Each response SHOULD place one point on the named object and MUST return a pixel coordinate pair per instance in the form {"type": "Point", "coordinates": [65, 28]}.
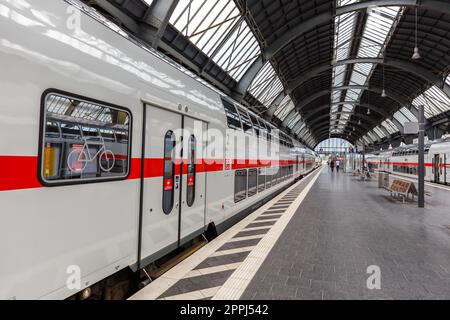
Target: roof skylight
{"type": "Point", "coordinates": [217, 28]}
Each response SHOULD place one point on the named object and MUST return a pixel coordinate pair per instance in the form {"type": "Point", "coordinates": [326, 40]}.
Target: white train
{"type": "Point", "coordinates": [404, 161]}
{"type": "Point", "coordinates": [92, 188]}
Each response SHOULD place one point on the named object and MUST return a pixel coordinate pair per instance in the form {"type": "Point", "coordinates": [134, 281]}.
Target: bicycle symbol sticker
{"type": "Point", "coordinates": [81, 156]}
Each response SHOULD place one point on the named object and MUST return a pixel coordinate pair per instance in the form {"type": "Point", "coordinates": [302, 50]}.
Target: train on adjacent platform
{"type": "Point", "coordinates": [93, 188]}
{"type": "Point", "coordinates": [404, 161]}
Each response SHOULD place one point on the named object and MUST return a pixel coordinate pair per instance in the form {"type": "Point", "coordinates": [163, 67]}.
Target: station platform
{"type": "Point", "coordinates": [316, 241]}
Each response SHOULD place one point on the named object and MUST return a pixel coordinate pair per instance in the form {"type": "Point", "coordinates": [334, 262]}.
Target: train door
{"type": "Point", "coordinates": [437, 168]}
{"type": "Point", "coordinates": [193, 181]}
{"type": "Point", "coordinates": [446, 172]}
{"type": "Point", "coordinates": [170, 189]}
{"type": "Point", "coordinates": [304, 163]}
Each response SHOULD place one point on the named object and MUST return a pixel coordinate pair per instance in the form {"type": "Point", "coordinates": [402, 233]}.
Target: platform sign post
{"type": "Point", "coordinates": [421, 156]}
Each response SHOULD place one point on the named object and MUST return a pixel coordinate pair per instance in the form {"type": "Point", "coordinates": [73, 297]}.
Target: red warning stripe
{"type": "Point", "coordinates": [20, 172]}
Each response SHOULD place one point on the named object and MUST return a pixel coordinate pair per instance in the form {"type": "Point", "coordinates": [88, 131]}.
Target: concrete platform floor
{"type": "Point", "coordinates": [344, 226]}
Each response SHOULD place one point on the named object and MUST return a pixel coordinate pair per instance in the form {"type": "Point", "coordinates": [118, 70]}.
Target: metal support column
{"type": "Point", "coordinates": [421, 156]}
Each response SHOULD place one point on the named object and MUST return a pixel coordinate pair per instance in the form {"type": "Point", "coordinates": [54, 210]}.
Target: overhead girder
{"type": "Point", "coordinates": [355, 115]}
{"type": "Point", "coordinates": [310, 114]}
{"type": "Point", "coordinates": [356, 132]}
{"type": "Point", "coordinates": [399, 64]}
{"type": "Point", "coordinates": [360, 130]}
{"type": "Point", "coordinates": [373, 108]}
{"type": "Point", "coordinates": [349, 132]}
{"type": "Point", "coordinates": [346, 135]}
{"type": "Point", "coordinates": [304, 27]}
{"type": "Point", "coordinates": [150, 25]}
{"type": "Point", "coordinates": [325, 124]}
{"type": "Point", "coordinates": [402, 101]}
{"type": "Point", "coordinates": [158, 18]}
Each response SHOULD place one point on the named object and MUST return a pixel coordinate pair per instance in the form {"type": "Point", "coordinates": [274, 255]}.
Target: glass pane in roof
{"type": "Point", "coordinates": [336, 96]}
{"type": "Point", "coordinates": [400, 117]}
{"type": "Point", "coordinates": [149, 2]}
{"type": "Point", "coordinates": [217, 28]}
{"type": "Point", "coordinates": [373, 136]}
{"type": "Point", "coordinates": [344, 26]}
{"type": "Point", "coordinates": [389, 126]}
{"type": "Point", "coordinates": [380, 132]}
{"type": "Point", "coordinates": [434, 100]}
{"type": "Point", "coordinates": [353, 95]}
{"type": "Point", "coordinates": [301, 127]}
{"type": "Point", "coordinates": [339, 75]}
{"type": "Point", "coordinates": [348, 108]}
{"type": "Point", "coordinates": [240, 50]}
{"type": "Point", "coordinates": [284, 108]}
{"type": "Point", "coordinates": [408, 114]}
{"type": "Point", "coordinates": [377, 29]}
{"type": "Point", "coordinates": [266, 86]}
{"type": "Point", "coordinates": [294, 121]}
{"type": "Point", "coordinates": [361, 73]}
{"type": "Point", "coordinates": [341, 3]}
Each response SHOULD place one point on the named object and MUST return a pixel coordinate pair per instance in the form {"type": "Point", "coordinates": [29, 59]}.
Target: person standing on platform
{"type": "Point", "coordinates": [332, 164]}
{"type": "Point", "coordinates": [338, 165]}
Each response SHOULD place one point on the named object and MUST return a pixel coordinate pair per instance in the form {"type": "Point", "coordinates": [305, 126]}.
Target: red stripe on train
{"type": "Point", "coordinates": [20, 173]}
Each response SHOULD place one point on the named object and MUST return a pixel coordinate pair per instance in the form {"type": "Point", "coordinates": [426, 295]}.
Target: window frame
{"type": "Point", "coordinates": [192, 161]}
{"type": "Point", "coordinates": [236, 173]}
{"type": "Point", "coordinates": [245, 120]}
{"type": "Point", "coordinates": [226, 104]}
{"type": "Point", "coordinates": [164, 173]}
{"type": "Point", "coordinates": [41, 147]}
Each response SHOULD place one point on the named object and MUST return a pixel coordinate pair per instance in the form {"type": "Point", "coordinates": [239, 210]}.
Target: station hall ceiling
{"type": "Point", "coordinates": [315, 68]}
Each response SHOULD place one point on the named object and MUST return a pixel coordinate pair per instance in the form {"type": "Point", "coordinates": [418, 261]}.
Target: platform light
{"type": "Point", "coordinates": [383, 93]}
{"type": "Point", "coordinates": [416, 55]}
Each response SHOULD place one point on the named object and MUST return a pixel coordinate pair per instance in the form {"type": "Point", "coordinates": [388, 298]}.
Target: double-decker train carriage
{"type": "Point", "coordinates": [404, 161]}
{"type": "Point", "coordinates": [93, 182]}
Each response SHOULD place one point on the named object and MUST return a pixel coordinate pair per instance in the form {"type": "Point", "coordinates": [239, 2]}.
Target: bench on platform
{"type": "Point", "coordinates": [402, 188]}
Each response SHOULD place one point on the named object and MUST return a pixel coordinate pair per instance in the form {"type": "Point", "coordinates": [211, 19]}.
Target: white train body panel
{"type": "Point", "coordinates": [95, 226]}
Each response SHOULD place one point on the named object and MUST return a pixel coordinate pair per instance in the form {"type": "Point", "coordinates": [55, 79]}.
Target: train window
{"type": "Point", "coordinates": [263, 127]}
{"type": "Point", "coordinates": [191, 179]}
{"type": "Point", "coordinates": [233, 119]}
{"type": "Point", "coordinates": [268, 178]}
{"type": "Point", "coordinates": [240, 185]}
{"type": "Point", "coordinates": [261, 179]}
{"type": "Point", "coordinates": [246, 122]}
{"type": "Point", "coordinates": [256, 125]}
{"type": "Point", "coordinates": [79, 140]}
{"type": "Point", "coordinates": [252, 182]}
{"type": "Point", "coordinates": [169, 172]}
{"type": "Point", "coordinates": [269, 133]}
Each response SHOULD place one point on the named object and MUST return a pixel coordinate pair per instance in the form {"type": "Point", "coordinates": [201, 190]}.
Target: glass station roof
{"type": "Point", "coordinates": [380, 22]}
{"type": "Point", "coordinates": [266, 86]}
{"type": "Point", "coordinates": [218, 29]}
